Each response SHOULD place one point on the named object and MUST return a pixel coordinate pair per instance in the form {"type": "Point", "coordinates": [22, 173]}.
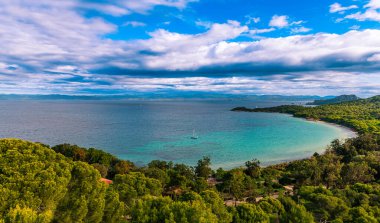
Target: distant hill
{"type": "Point", "coordinates": [339, 99]}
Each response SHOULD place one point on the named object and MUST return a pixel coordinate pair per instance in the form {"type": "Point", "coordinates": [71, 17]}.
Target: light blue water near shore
{"type": "Point", "coordinates": [142, 131]}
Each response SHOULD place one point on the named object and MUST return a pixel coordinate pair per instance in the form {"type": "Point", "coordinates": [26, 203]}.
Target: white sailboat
{"type": "Point", "coordinates": [194, 135]}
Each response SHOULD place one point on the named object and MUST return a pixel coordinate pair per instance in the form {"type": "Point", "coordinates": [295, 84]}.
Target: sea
{"type": "Point", "coordinates": [162, 129]}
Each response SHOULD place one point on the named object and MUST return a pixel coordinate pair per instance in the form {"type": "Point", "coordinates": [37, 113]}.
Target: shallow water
{"type": "Point", "coordinates": [161, 129]}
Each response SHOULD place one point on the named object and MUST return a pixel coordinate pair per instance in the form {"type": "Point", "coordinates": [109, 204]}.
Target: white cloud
{"type": "Point", "coordinates": [373, 4]}
{"type": "Point", "coordinates": [190, 52]}
{"type": "Point", "coordinates": [300, 30]}
{"type": "Point", "coordinates": [135, 24]}
{"type": "Point", "coordinates": [39, 34]}
{"type": "Point", "coordinates": [284, 22]}
{"type": "Point", "coordinates": [336, 7]}
{"type": "Point", "coordinates": [279, 21]}
{"type": "Point", "coordinates": [205, 24]}
{"type": "Point", "coordinates": [104, 8]}
{"type": "Point", "coordinates": [371, 13]}
{"type": "Point", "coordinates": [112, 7]}
{"type": "Point", "coordinates": [256, 20]}
{"type": "Point", "coordinates": [145, 5]}
{"type": "Point", "coordinates": [125, 7]}
{"type": "Point", "coordinates": [66, 68]}
{"type": "Point", "coordinates": [260, 31]}
{"type": "Point", "coordinates": [297, 23]}
{"type": "Point", "coordinates": [325, 83]}
{"type": "Point", "coordinates": [251, 19]}
{"type": "Point", "coordinates": [308, 83]}
{"type": "Point", "coordinates": [163, 40]}
{"type": "Point", "coordinates": [374, 58]}
{"type": "Point", "coordinates": [4, 66]}
{"type": "Point", "coordinates": [355, 27]}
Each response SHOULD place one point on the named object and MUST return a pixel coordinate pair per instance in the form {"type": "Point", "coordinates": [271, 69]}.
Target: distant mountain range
{"type": "Point", "coordinates": [339, 99]}
{"type": "Point", "coordinates": [164, 95]}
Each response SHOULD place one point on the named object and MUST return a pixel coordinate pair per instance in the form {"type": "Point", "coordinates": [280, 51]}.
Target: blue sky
{"type": "Point", "coordinates": [291, 47]}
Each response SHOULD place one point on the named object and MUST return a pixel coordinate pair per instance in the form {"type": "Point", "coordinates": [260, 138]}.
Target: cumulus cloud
{"type": "Point", "coordinates": [37, 36]}
{"type": "Point", "coordinates": [336, 7]}
{"type": "Point", "coordinates": [260, 31]}
{"type": "Point", "coordinates": [145, 5]}
{"type": "Point", "coordinates": [205, 24]}
{"type": "Point", "coordinates": [373, 4]}
{"type": "Point", "coordinates": [178, 52]}
{"type": "Point", "coordinates": [111, 7]}
{"type": "Point", "coordinates": [370, 13]}
{"type": "Point", "coordinates": [163, 40]}
{"type": "Point", "coordinates": [124, 7]}
{"type": "Point", "coordinates": [300, 30]}
{"type": "Point", "coordinates": [107, 8]}
{"type": "Point", "coordinates": [283, 22]}
{"type": "Point", "coordinates": [279, 21]}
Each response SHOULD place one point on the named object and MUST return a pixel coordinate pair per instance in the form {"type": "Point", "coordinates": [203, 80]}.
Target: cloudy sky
{"type": "Point", "coordinates": [292, 47]}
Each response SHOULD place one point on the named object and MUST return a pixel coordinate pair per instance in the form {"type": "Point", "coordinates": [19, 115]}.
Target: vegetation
{"type": "Point", "coordinates": [39, 185]}
{"type": "Point", "coordinates": [63, 183]}
{"type": "Point", "coordinates": [336, 100]}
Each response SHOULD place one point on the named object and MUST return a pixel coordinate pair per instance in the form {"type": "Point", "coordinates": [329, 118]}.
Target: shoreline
{"type": "Point", "coordinates": [344, 133]}
{"type": "Point", "coordinates": [347, 133]}
{"type": "Point", "coordinates": [350, 131]}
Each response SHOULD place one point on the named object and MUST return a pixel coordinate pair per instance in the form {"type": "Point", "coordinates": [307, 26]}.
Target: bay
{"type": "Point", "coordinates": [144, 130]}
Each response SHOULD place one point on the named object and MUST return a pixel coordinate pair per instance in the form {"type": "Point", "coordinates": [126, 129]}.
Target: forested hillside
{"type": "Point", "coordinates": [38, 184]}
{"type": "Point", "coordinates": [336, 100]}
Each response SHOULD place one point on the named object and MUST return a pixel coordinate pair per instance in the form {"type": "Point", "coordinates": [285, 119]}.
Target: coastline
{"type": "Point", "coordinates": [342, 131]}
{"type": "Point", "coordinates": [347, 133]}
{"type": "Point", "coordinates": [348, 130]}
{"type": "Point", "coordinates": [352, 132]}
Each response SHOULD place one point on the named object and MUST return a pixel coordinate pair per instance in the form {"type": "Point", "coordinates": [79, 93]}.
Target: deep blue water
{"type": "Point", "coordinates": [161, 129]}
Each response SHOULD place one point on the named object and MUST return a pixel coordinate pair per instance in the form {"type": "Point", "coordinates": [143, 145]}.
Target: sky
{"type": "Point", "coordinates": [106, 47]}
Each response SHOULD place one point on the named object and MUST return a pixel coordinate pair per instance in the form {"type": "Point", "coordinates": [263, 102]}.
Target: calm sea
{"type": "Point", "coordinates": [145, 130]}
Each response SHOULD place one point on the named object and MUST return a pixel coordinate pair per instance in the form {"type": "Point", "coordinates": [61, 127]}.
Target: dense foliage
{"type": "Point", "coordinates": [339, 99]}
{"type": "Point", "coordinates": [39, 185]}
{"type": "Point", "coordinates": [63, 183]}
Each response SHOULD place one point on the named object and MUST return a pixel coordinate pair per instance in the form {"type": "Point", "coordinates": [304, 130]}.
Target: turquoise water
{"type": "Point", "coordinates": [142, 131]}
{"type": "Point", "coordinates": [271, 138]}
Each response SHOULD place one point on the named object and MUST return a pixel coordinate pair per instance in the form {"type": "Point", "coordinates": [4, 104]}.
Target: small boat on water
{"type": "Point", "coordinates": [194, 135]}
